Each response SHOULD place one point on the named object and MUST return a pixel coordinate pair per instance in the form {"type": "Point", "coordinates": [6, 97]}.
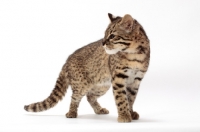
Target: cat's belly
{"type": "Point", "coordinates": [104, 83]}
{"type": "Point", "coordinates": [101, 87]}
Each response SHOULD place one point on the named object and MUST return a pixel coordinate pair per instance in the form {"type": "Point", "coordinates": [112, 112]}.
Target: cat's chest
{"type": "Point", "coordinates": [131, 75]}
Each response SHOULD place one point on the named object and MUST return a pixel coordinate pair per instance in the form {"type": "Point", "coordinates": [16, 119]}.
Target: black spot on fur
{"type": "Point", "coordinates": [126, 67]}
{"type": "Point", "coordinates": [114, 88]}
{"type": "Point", "coordinates": [120, 75]}
{"type": "Point", "coordinates": [117, 67]}
{"type": "Point", "coordinates": [141, 50]}
{"type": "Point", "coordinates": [119, 85]}
{"type": "Point", "coordinates": [120, 103]}
{"type": "Point", "coordinates": [137, 78]}
{"type": "Point", "coordinates": [117, 96]}
{"type": "Point", "coordinates": [124, 92]}
{"type": "Point", "coordinates": [131, 91]}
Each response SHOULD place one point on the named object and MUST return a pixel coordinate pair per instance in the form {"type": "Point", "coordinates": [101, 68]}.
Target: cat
{"type": "Point", "coordinates": [120, 59]}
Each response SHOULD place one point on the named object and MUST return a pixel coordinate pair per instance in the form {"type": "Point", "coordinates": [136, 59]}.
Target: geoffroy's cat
{"type": "Point", "coordinates": [120, 59]}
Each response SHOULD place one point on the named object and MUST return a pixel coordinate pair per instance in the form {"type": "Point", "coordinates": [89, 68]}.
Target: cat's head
{"type": "Point", "coordinates": [120, 34]}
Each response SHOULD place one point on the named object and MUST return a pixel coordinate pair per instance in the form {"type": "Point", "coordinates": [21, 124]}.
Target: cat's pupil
{"type": "Point", "coordinates": [112, 36]}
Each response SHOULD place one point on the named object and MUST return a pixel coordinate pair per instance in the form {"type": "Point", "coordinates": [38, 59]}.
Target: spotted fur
{"type": "Point", "coordinates": [90, 70]}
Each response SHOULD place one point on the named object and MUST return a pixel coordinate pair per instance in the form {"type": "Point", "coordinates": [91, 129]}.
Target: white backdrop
{"type": "Point", "coordinates": [37, 36]}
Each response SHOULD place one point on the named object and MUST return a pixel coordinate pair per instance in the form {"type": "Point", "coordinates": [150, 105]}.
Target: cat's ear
{"type": "Point", "coordinates": [127, 23]}
{"type": "Point", "coordinates": [112, 17]}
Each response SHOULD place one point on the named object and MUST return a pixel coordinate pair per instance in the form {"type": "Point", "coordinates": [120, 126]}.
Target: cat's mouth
{"type": "Point", "coordinates": [111, 51]}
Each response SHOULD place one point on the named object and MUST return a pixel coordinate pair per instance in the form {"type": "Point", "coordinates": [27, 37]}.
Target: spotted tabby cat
{"type": "Point", "coordinates": [121, 58]}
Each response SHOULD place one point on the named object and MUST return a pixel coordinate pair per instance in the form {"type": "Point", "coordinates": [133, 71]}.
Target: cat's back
{"type": "Point", "coordinates": [87, 55]}
{"type": "Point", "coordinates": [88, 62]}
{"type": "Point", "coordinates": [87, 50]}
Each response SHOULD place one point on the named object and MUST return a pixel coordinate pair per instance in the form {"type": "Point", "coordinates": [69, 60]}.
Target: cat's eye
{"type": "Point", "coordinates": [111, 36]}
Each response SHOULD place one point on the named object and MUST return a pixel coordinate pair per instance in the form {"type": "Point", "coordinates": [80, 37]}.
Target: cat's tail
{"type": "Point", "coordinates": [56, 95]}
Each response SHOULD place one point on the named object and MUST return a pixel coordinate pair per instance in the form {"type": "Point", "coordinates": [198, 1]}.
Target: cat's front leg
{"type": "Point", "coordinates": [132, 90]}
{"type": "Point", "coordinates": [119, 91]}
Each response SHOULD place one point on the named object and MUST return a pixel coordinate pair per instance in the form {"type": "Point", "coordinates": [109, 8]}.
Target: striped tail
{"type": "Point", "coordinates": [56, 95]}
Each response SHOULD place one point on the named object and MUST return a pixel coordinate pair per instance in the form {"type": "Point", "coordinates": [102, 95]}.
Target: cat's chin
{"type": "Point", "coordinates": [112, 51]}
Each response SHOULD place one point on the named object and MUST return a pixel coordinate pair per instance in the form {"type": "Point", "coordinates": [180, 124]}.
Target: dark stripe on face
{"type": "Point", "coordinates": [124, 38]}
{"type": "Point", "coordinates": [114, 26]}
{"type": "Point", "coordinates": [119, 85]}
{"type": "Point", "coordinates": [131, 91]}
{"type": "Point", "coordinates": [122, 43]}
{"type": "Point", "coordinates": [120, 75]}
{"type": "Point", "coordinates": [124, 49]}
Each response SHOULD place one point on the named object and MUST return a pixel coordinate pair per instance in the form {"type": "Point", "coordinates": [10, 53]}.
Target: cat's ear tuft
{"type": "Point", "coordinates": [127, 23]}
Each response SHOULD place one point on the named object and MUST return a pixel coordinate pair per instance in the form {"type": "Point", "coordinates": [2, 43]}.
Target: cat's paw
{"type": "Point", "coordinates": [71, 114]}
{"type": "Point", "coordinates": [125, 118]}
{"type": "Point", "coordinates": [134, 115]}
{"type": "Point", "coordinates": [102, 111]}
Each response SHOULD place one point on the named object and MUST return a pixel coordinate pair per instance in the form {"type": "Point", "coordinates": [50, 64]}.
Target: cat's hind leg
{"type": "Point", "coordinates": [76, 98]}
{"type": "Point", "coordinates": [78, 91]}
{"type": "Point", "coordinates": [92, 99]}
